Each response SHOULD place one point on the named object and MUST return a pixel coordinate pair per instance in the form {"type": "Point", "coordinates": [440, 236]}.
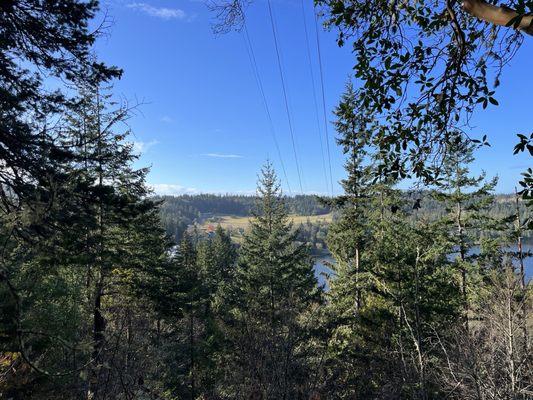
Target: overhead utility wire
{"type": "Point", "coordinates": [319, 131]}
{"type": "Point", "coordinates": [257, 76]}
{"type": "Point", "coordinates": [323, 99]}
{"type": "Point", "coordinates": [285, 94]}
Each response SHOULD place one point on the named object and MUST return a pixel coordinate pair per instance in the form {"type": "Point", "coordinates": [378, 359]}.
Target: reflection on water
{"type": "Point", "coordinates": [322, 270]}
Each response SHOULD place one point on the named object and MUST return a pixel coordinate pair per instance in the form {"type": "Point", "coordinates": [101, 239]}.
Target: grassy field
{"type": "Point", "coordinates": [232, 222]}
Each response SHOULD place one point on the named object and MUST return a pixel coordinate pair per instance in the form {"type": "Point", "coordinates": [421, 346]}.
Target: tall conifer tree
{"type": "Point", "coordinates": [274, 287]}
{"type": "Point", "coordinates": [467, 200]}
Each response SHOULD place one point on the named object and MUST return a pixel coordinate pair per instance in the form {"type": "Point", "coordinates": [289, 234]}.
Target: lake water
{"type": "Point", "coordinates": [321, 268]}
{"type": "Point", "coordinates": [321, 265]}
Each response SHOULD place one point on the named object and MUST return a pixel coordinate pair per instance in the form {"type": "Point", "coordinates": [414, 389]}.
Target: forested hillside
{"type": "Point", "coordinates": [178, 213]}
{"type": "Point", "coordinates": [108, 292]}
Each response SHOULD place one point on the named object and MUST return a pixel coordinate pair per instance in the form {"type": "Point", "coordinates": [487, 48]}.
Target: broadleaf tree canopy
{"type": "Point", "coordinates": [422, 67]}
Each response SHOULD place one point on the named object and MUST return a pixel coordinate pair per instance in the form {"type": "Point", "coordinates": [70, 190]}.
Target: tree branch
{"type": "Point", "coordinates": [497, 15]}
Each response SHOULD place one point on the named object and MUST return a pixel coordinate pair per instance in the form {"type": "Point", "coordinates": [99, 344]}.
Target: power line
{"type": "Point", "coordinates": [285, 94]}
{"type": "Point", "coordinates": [319, 131]}
{"type": "Point", "coordinates": [257, 76]}
{"type": "Point", "coordinates": [323, 99]}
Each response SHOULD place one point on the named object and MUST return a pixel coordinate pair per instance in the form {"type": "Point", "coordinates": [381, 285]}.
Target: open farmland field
{"type": "Point", "coordinates": [232, 222]}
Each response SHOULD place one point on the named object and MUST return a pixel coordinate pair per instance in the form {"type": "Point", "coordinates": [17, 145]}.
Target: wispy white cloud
{"type": "Point", "coordinates": [218, 155]}
{"type": "Point", "coordinates": [250, 192]}
{"type": "Point", "coordinates": [166, 119]}
{"type": "Point", "coordinates": [168, 189]}
{"type": "Point", "coordinates": [159, 12]}
{"type": "Point", "coordinates": [520, 166]}
{"type": "Point", "coordinates": [143, 147]}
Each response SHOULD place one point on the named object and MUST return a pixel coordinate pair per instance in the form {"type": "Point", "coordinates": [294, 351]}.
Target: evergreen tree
{"type": "Point", "coordinates": [81, 278]}
{"type": "Point", "coordinates": [216, 259]}
{"type": "Point", "coordinates": [108, 227]}
{"type": "Point", "coordinates": [349, 234]}
{"type": "Point", "coordinates": [40, 41]}
{"type": "Point", "coordinates": [467, 200]}
{"type": "Point", "coordinates": [274, 287]}
{"type": "Point", "coordinates": [387, 266]}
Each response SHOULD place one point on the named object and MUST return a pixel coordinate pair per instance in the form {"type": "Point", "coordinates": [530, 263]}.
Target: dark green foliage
{"type": "Point", "coordinates": [177, 213]}
{"type": "Point", "coordinates": [424, 68]}
{"type": "Point", "coordinates": [39, 183]}
{"type": "Point", "coordinates": [96, 302]}
{"type": "Point", "coordinates": [314, 234]}
{"type": "Point", "coordinates": [216, 259]}
{"type": "Point", "coordinates": [186, 294]}
{"type": "Point", "coordinates": [467, 200]}
{"type": "Point", "coordinates": [51, 39]}
{"type": "Point", "coordinates": [392, 286]}
{"type": "Point", "coordinates": [273, 290]}
{"type": "Point", "coordinates": [526, 184]}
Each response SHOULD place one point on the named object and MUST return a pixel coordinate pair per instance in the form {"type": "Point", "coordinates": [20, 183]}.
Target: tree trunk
{"type": "Point", "coordinates": [525, 311]}
{"type": "Point", "coordinates": [192, 361]}
{"type": "Point", "coordinates": [98, 343]}
{"type": "Point", "coordinates": [357, 288]}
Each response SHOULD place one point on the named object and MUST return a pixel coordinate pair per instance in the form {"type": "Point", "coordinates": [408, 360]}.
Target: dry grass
{"type": "Point", "coordinates": [232, 222]}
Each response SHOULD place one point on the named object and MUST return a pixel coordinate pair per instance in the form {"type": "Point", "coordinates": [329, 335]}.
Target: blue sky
{"type": "Point", "coordinates": [202, 126]}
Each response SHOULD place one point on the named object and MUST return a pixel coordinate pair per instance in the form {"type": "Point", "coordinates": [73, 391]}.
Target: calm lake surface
{"type": "Point", "coordinates": [321, 265]}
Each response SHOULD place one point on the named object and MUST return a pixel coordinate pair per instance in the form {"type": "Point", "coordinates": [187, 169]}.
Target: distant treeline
{"type": "Point", "coordinates": [179, 212]}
